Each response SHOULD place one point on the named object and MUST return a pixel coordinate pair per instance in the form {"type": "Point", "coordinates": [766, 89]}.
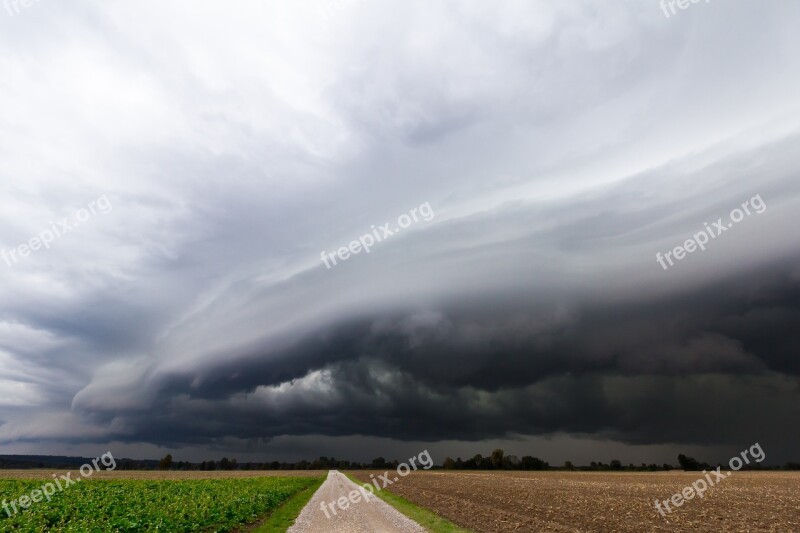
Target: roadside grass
{"type": "Point", "coordinates": [427, 519]}
{"type": "Point", "coordinates": [284, 516]}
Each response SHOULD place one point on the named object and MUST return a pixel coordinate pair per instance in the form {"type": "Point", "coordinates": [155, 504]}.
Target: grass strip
{"type": "Point", "coordinates": [424, 517]}
{"type": "Point", "coordinates": [284, 516]}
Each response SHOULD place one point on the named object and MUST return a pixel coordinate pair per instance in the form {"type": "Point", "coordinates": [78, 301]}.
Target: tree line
{"type": "Point", "coordinates": [322, 463]}
{"type": "Point", "coordinates": [498, 460]}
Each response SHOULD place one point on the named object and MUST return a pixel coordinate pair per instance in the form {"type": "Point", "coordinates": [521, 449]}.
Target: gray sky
{"type": "Point", "coordinates": [560, 146]}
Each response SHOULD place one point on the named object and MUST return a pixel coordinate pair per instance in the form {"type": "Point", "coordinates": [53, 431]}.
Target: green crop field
{"type": "Point", "coordinates": [149, 505]}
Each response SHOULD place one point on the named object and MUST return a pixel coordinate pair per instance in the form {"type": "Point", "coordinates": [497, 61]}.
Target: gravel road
{"type": "Point", "coordinates": [373, 516]}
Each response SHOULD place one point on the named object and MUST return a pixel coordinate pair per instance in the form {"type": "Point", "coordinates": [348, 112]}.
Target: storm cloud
{"type": "Point", "coordinates": [561, 148]}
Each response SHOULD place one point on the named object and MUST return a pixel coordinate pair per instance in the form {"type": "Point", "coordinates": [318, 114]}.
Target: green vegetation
{"type": "Point", "coordinates": [150, 505]}
{"type": "Point", "coordinates": [284, 516]}
{"type": "Point", "coordinates": [427, 519]}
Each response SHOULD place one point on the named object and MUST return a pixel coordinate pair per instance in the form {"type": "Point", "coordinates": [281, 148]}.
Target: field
{"type": "Point", "coordinates": [150, 501]}
{"type": "Point", "coordinates": [133, 501]}
{"type": "Point", "coordinates": [594, 501]}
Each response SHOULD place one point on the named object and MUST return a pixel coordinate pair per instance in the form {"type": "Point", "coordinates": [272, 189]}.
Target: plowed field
{"type": "Point", "coordinates": [594, 501]}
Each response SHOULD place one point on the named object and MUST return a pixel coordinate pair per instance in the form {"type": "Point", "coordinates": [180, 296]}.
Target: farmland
{"type": "Point", "coordinates": [590, 501]}
{"type": "Point", "coordinates": [143, 502]}
{"type": "Point", "coordinates": [481, 501]}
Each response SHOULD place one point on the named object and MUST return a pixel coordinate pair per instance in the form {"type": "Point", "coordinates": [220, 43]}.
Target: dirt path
{"type": "Point", "coordinates": [373, 516]}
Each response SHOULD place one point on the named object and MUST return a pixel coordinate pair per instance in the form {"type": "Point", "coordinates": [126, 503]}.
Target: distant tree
{"type": "Point", "coordinates": [497, 458]}
{"type": "Point", "coordinates": [477, 461]}
{"type": "Point", "coordinates": [616, 465]}
{"type": "Point", "coordinates": [532, 463]}
{"type": "Point", "coordinates": [378, 463]}
{"type": "Point", "coordinates": [568, 465]}
{"type": "Point", "coordinates": [165, 463]}
{"type": "Point", "coordinates": [690, 463]}
{"type": "Point", "coordinates": [448, 464]}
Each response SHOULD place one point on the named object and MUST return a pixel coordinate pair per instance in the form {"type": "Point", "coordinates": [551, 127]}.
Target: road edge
{"type": "Point", "coordinates": [422, 516]}
{"type": "Point", "coordinates": [282, 518]}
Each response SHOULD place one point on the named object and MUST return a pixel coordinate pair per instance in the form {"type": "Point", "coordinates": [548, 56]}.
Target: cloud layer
{"type": "Point", "coordinates": [561, 147]}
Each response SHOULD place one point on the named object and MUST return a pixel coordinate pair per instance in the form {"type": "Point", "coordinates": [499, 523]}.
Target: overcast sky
{"type": "Point", "coordinates": [223, 146]}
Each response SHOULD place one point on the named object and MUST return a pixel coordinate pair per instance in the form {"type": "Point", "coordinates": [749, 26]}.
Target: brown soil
{"type": "Point", "coordinates": [608, 502]}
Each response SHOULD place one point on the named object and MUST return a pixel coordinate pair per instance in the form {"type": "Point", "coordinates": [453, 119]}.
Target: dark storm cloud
{"type": "Point", "coordinates": [662, 370]}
